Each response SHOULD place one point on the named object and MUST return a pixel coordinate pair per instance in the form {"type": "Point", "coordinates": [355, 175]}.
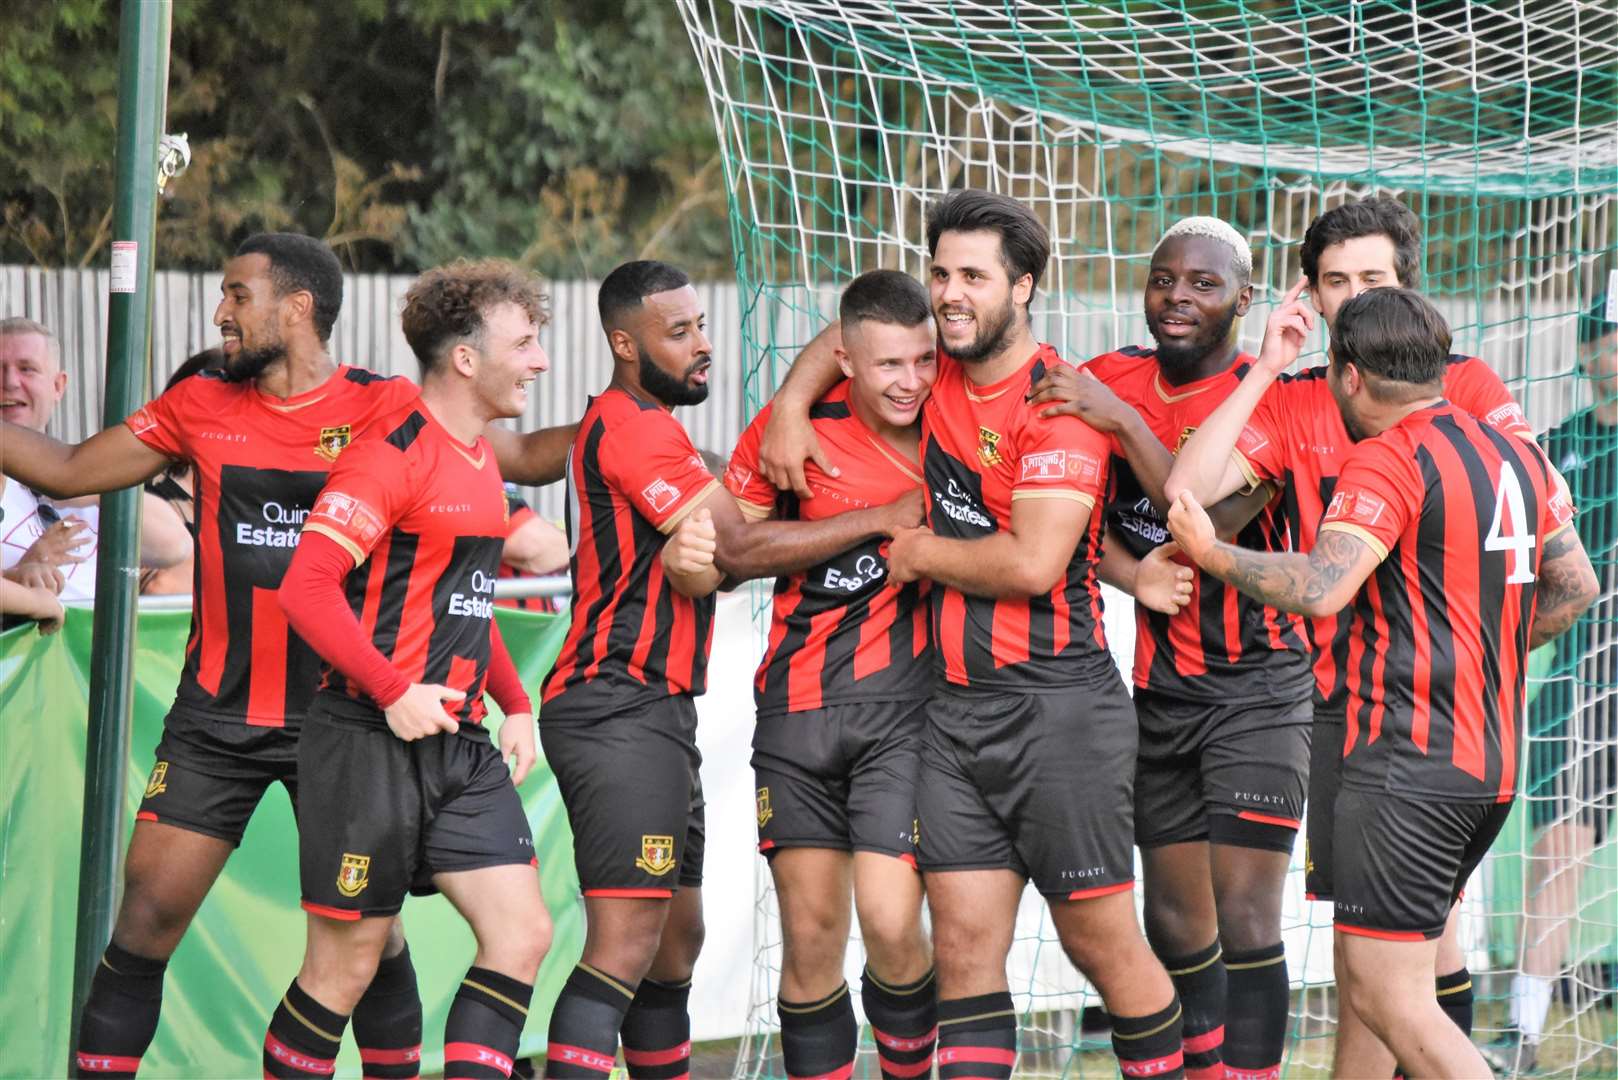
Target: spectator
{"type": "Point", "coordinates": [36, 602]}
{"type": "Point", "coordinates": [43, 543]}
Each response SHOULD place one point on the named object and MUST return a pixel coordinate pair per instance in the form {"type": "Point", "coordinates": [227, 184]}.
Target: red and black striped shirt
{"type": "Point", "coordinates": [632, 477]}
{"type": "Point", "coordinates": [259, 462]}
{"type": "Point", "coordinates": [424, 517]}
{"type": "Point", "coordinates": [984, 447]}
{"type": "Point", "coordinates": [1296, 439]}
{"type": "Point", "coordinates": [1459, 514]}
{"type": "Point", "coordinates": [838, 632]}
{"type": "Point", "coordinates": [1223, 645]}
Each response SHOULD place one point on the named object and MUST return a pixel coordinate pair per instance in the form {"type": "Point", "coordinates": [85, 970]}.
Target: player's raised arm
{"type": "Point", "coordinates": [1317, 584]}
{"type": "Point", "coordinates": [532, 457]}
{"type": "Point", "coordinates": [789, 438]}
{"type": "Point", "coordinates": [106, 461]}
{"type": "Point", "coordinates": [1027, 559]}
{"type": "Point", "coordinates": [1206, 465]}
{"type": "Point", "coordinates": [1079, 393]}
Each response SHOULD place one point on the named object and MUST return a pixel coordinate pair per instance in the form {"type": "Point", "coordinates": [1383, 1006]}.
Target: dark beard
{"type": "Point", "coordinates": [666, 388]}
{"type": "Point", "coordinates": [249, 364]}
{"type": "Point", "coordinates": [991, 337]}
{"type": "Point", "coordinates": [1179, 359]}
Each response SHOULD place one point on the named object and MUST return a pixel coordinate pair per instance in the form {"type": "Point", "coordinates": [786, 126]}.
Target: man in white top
{"type": "Point", "coordinates": [43, 543]}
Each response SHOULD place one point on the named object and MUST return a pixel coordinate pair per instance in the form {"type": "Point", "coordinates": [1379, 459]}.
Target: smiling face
{"type": "Point", "coordinates": [31, 380]}
{"type": "Point", "coordinates": [1194, 295]}
{"type": "Point", "coordinates": [509, 359]}
{"type": "Point", "coordinates": [249, 317]}
{"type": "Point", "coordinates": [1349, 268]}
{"type": "Point", "coordinates": [670, 337]}
{"type": "Point", "coordinates": [975, 302]}
{"type": "Point", "coordinates": [891, 369]}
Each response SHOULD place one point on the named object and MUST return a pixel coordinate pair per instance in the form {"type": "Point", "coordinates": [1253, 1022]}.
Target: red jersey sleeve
{"type": "Point", "coordinates": [1559, 508]}
{"type": "Point", "coordinates": [365, 494]}
{"type": "Point", "coordinates": [658, 470]}
{"type": "Point", "coordinates": [160, 423]}
{"type": "Point", "coordinates": [743, 477]}
{"type": "Point", "coordinates": [1261, 445]}
{"type": "Point", "coordinates": [1378, 493]}
{"type": "Point", "coordinates": [1472, 385]}
{"type": "Point", "coordinates": [1060, 457]}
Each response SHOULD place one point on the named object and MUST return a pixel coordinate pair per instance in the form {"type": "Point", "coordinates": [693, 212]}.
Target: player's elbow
{"type": "Point", "coordinates": [1036, 577]}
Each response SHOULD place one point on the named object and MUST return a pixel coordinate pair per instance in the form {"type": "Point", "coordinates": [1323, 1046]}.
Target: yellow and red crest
{"type": "Point", "coordinates": [989, 447]}
{"type": "Point", "coordinates": [332, 440]}
{"type": "Point", "coordinates": [656, 855]}
{"type": "Point", "coordinates": [354, 875]}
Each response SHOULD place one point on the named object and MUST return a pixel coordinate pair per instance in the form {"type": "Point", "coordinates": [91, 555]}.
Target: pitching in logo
{"type": "Point", "coordinates": [354, 875]}
{"type": "Point", "coordinates": [656, 855]}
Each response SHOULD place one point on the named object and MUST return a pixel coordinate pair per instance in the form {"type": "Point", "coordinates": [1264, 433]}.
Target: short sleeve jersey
{"type": "Point", "coordinates": [1459, 513]}
{"type": "Point", "coordinates": [983, 448]}
{"type": "Point", "coordinates": [424, 517]}
{"type": "Point", "coordinates": [1223, 645]}
{"type": "Point", "coordinates": [1296, 440]}
{"type": "Point", "coordinates": [838, 632]}
{"type": "Point", "coordinates": [258, 461]}
{"type": "Point", "coordinates": [632, 476]}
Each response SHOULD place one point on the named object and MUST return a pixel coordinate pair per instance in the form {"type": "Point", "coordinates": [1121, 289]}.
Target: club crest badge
{"type": "Point", "coordinates": [158, 782]}
{"type": "Point", "coordinates": [765, 813]}
{"type": "Point", "coordinates": [354, 875]}
{"type": "Point", "coordinates": [989, 447]}
{"type": "Point", "coordinates": [332, 441]}
{"type": "Point", "coordinates": [656, 855]}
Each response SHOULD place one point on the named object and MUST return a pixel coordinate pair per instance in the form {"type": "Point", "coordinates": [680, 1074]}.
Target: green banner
{"type": "Point", "coordinates": [247, 941]}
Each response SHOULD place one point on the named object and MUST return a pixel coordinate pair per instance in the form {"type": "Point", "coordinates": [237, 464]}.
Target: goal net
{"type": "Point", "coordinates": [1497, 122]}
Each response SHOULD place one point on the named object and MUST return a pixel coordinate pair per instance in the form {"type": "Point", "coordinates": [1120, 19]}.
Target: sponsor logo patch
{"type": "Point", "coordinates": [656, 855]}
{"type": "Point", "coordinates": [355, 518]}
{"type": "Point", "coordinates": [1044, 466]}
{"type": "Point", "coordinates": [354, 874]}
{"type": "Point", "coordinates": [660, 495]}
{"type": "Point", "coordinates": [1359, 508]}
{"type": "Point", "coordinates": [141, 421]}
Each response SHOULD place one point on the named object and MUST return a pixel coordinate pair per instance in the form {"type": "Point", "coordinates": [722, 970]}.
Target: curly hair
{"type": "Point", "coordinates": [446, 305]}
{"type": "Point", "coordinates": [1380, 215]}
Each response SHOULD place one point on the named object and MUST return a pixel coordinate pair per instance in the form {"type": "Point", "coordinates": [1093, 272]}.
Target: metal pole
{"type": "Point", "coordinates": [143, 64]}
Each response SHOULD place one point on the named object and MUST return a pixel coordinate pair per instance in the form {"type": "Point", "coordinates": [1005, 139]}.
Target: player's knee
{"type": "Point", "coordinates": [892, 937]}
{"type": "Point", "coordinates": [684, 936]}
{"type": "Point", "coordinates": [1249, 918]}
{"type": "Point", "coordinates": [150, 923]}
{"type": "Point", "coordinates": [525, 945]}
{"type": "Point", "coordinates": [1176, 924]}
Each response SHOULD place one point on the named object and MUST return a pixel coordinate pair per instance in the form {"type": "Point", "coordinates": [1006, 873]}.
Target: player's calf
{"type": "Point", "coordinates": [656, 1031]}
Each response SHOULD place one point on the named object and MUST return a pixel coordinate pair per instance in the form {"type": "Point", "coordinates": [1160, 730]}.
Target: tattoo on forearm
{"type": "Point", "coordinates": [1563, 591]}
{"type": "Point", "coordinates": [1291, 582]}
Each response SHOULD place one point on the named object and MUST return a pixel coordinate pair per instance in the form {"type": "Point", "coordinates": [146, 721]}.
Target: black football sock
{"type": "Point", "coordinates": [484, 1025]}
{"type": "Point", "coordinates": [1455, 998]}
{"type": "Point", "coordinates": [1150, 1045]}
{"type": "Point", "coordinates": [120, 1015]}
{"type": "Point", "coordinates": [977, 1037]}
{"type": "Point", "coordinates": [387, 1021]}
{"type": "Point", "coordinates": [1199, 979]}
{"type": "Point", "coordinates": [303, 1038]}
{"type": "Point", "coordinates": [656, 1031]}
{"type": "Point", "coordinates": [818, 1038]}
{"type": "Point", "coordinates": [583, 1039]}
{"type": "Point", "coordinates": [904, 1024]}
{"type": "Point", "coordinates": [1256, 1013]}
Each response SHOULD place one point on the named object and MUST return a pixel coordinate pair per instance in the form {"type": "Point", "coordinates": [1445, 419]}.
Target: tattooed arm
{"type": "Point", "coordinates": [1567, 586]}
{"type": "Point", "coordinates": [1319, 583]}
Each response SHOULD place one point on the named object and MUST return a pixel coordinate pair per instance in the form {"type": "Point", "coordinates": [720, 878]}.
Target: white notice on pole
{"type": "Point", "coordinates": [1611, 313]}
{"type": "Point", "coordinates": [125, 258]}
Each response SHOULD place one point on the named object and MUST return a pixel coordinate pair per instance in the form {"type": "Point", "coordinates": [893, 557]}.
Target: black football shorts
{"type": "Point", "coordinates": [1202, 761]}
{"type": "Point", "coordinates": [1401, 863]}
{"type": "Point", "coordinates": [380, 816]}
{"type": "Point", "coordinates": [1325, 781]}
{"type": "Point", "coordinates": [1039, 784]}
{"type": "Point", "coordinates": [633, 795]}
{"type": "Point", "coordinates": [210, 774]}
{"type": "Point", "coordinates": [841, 777]}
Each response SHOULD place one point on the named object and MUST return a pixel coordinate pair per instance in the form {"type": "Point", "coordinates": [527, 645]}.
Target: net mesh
{"type": "Point", "coordinates": [839, 120]}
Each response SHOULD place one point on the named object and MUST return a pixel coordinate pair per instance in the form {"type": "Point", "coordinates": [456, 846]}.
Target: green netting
{"type": "Point", "coordinates": [1496, 121]}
